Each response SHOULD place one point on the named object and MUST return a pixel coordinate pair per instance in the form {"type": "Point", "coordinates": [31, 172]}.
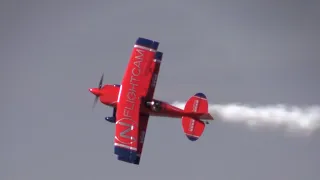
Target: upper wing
{"type": "Point", "coordinates": [135, 84]}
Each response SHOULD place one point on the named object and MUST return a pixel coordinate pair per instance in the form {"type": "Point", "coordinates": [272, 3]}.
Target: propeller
{"type": "Point", "coordinates": [97, 96]}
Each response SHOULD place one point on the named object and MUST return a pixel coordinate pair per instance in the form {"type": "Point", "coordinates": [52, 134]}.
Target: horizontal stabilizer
{"type": "Point", "coordinates": [197, 106]}
{"type": "Point", "coordinates": [193, 128]}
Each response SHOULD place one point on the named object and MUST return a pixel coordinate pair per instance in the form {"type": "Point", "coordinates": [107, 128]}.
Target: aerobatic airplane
{"type": "Point", "coordinates": [133, 103]}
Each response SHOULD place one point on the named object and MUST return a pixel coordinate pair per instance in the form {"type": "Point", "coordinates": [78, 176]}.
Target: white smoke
{"type": "Point", "coordinates": [293, 118]}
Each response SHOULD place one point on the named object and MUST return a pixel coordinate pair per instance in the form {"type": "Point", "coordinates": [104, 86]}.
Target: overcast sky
{"type": "Point", "coordinates": [254, 52]}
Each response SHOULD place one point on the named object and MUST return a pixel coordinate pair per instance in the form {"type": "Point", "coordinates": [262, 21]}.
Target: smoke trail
{"type": "Point", "coordinates": [291, 117]}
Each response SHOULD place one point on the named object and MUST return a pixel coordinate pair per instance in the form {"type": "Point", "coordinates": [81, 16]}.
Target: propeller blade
{"type": "Point", "coordinates": [100, 86]}
{"type": "Point", "coordinates": [101, 80]}
{"type": "Point", "coordinates": [95, 102]}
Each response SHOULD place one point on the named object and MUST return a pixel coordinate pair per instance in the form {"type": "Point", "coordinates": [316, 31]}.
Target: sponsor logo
{"type": "Point", "coordinates": [127, 126]}
{"type": "Point", "coordinates": [195, 105]}
{"type": "Point", "coordinates": [191, 125]}
{"type": "Point", "coordinates": [154, 80]}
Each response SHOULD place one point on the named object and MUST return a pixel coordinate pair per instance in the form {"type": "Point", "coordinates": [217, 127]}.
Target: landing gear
{"type": "Point", "coordinates": [111, 119]}
{"type": "Point", "coordinates": [154, 105]}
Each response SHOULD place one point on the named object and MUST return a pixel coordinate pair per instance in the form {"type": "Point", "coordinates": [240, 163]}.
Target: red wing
{"type": "Point", "coordinates": [155, 68]}
{"type": "Point", "coordinates": [142, 133]}
{"type": "Point", "coordinates": [135, 84]}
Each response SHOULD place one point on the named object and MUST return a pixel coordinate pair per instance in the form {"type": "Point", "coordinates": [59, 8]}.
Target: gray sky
{"type": "Point", "coordinates": [262, 52]}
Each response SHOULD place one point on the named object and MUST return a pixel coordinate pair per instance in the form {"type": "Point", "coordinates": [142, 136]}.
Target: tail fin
{"type": "Point", "coordinates": [197, 106]}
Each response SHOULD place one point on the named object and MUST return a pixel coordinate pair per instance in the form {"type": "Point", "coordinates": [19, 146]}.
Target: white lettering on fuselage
{"type": "Point", "coordinates": [131, 96]}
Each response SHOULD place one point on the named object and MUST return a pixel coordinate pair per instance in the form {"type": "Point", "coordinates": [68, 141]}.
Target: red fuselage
{"type": "Point", "coordinates": [109, 93]}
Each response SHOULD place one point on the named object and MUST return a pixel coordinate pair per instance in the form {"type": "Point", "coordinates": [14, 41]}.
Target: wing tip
{"type": "Point", "coordinates": [192, 138]}
{"type": "Point", "coordinates": [201, 95]}
{"type": "Point", "coordinates": [127, 155]}
{"type": "Point", "coordinates": [158, 55]}
{"type": "Point", "coordinates": [148, 43]}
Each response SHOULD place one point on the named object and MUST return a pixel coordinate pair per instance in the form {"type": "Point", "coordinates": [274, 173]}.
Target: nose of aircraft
{"type": "Point", "coordinates": [95, 91]}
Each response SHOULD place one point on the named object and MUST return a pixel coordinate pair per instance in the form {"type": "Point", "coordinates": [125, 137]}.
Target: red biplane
{"type": "Point", "coordinates": [133, 103]}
